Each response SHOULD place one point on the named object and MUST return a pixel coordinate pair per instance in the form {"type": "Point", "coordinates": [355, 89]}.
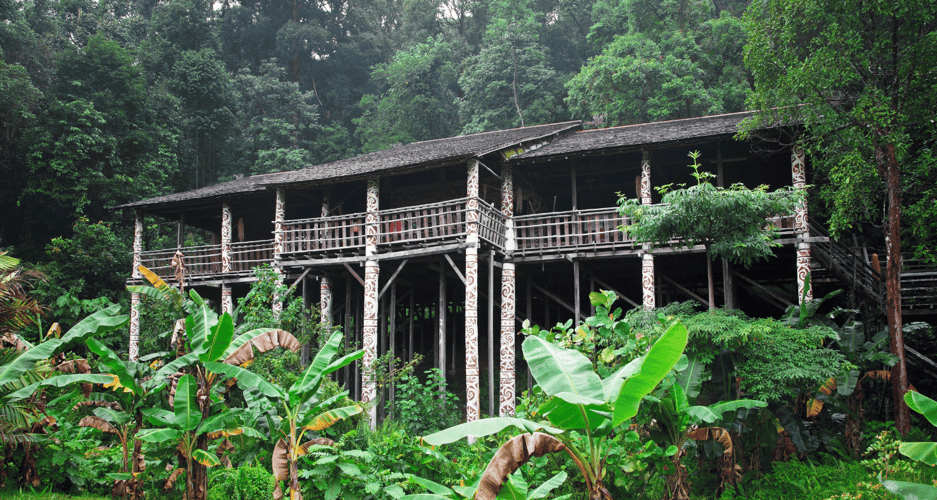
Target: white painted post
{"type": "Point", "coordinates": [649, 300]}
{"type": "Point", "coordinates": [799, 177]}
{"type": "Point", "coordinates": [278, 239]}
{"type": "Point", "coordinates": [325, 285]}
{"type": "Point", "coordinates": [227, 304]}
{"type": "Point", "coordinates": [472, 403]}
{"type": "Point", "coordinates": [372, 274]}
{"type": "Point", "coordinates": [134, 349]}
{"type": "Point", "coordinates": [508, 299]}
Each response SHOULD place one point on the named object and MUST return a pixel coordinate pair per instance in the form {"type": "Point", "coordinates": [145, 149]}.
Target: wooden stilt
{"type": "Point", "coordinates": [576, 293]}
{"type": "Point", "coordinates": [180, 231]}
{"type": "Point", "coordinates": [441, 316]}
{"type": "Point", "coordinates": [591, 291]}
{"type": "Point", "coordinates": [381, 351]}
{"type": "Point", "coordinates": [359, 331]}
{"type": "Point", "coordinates": [410, 313]}
{"type": "Point", "coordinates": [491, 333]}
{"type": "Point", "coordinates": [304, 353]}
{"type": "Point", "coordinates": [391, 344]}
{"type": "Point", "coordinates": [530, 315]}
{"type": "Point", "coordinates": [348, 326]}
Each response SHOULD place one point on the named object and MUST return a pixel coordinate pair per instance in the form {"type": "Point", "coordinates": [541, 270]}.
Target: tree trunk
{"type": "Point", "coordinates": [294, 479]}
{"type": "Point", "coordinates": [514, 83]}
{"type": "Point", "coordinates": [712, 286]}
{"type": "Point", "coordinates": [189, 481]}
{"type": "Point", "coordinates": [899, 372]}
{"type": "Point", "coordinates": [136, 466]}
{"type": "Point", "coordinates": [199, 471]}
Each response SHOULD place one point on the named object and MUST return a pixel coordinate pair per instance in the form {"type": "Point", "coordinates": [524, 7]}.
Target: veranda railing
{"type": "Point", "coordinates": [576, 230]}
{"type": "Point", "coordinates": [205, 260]}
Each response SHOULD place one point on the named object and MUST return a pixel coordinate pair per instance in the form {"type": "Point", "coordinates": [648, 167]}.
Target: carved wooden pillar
{"type": "Point", "coordinates": [325, 302]}
{"type": "Point", "coordinates": [134, 350]}
{"type": "Point", "coordinates": [137, 245]}
{"type": "Point", "coordinates": [508, 299]}
{"type": "Point", "coordinates": [472, 404]}
{"type": "Point", "coordinates": [372, 273]}
{"type": "Point", "coordinates": [227, 304]}
{"type": "Point", "coordinates": [799, 176]}
{"type": "Point", "coordinates": [645, 177]}
{"type": "Point", "coordinates": [325, 285]}
{"type": "Point", "coordinates": [278, 240]}
{"type": "Point", "coordinates": [648, 293]}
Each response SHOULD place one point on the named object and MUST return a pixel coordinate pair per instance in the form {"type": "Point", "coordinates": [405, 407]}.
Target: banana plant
{"type": "Point", "coordinates": [925, 452]}
{"type": "Point", "coordinates": [581, 403]}
{"type": "Point", "coordinates": [24, 371]}
{"type": "Point", "coordinates": [207, 338]}
{"type": "Point", "coordinates": [187, 428]}
{"type": "Point", "coordinates": [296, 410]}
{"type": "Point", "coordinates": [120, 412]}
{"type": "Point", "coordinates": [678, 422]}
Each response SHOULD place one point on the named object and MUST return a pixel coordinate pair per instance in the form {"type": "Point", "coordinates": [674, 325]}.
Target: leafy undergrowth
{"type": "Point", "coordinates": [834, 480]}
{"type": "Point", "coordinates": [17, 494]}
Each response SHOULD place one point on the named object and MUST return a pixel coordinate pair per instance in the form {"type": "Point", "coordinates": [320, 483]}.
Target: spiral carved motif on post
{"type": "Point", "coordinates": [800, 218]}
{"type": "Point", "coordinates": [137, 245]}
{"type": "Point", "coordinates": [371, 219]}
{"type": "Point", "coordinates": [803, 271]}
{"type": "Point", "coordinates": [506, 404]}
{"type": "Point", "coordinates": [134, 351]}
{"type": "Point", "coordinates": [645, 177]}
{"type": "Point", "coordinates": [507, 316]}
{"type": "Point", "coordinates": [471, 334]}
{"type": "Point", "coordinates": [325, 302]}
{"type": "Point", "coordinates": [471, 206]}
{"type": "Point", "coordinates": [799, 177]}
{"type": "Point", "coordinates": [227, 302]}
{"type": "Point", "coordinates": [647, 282]}
{"type": "Point", "coordinates": [798, 167]}
{"type": "Point", "coordinates": [225, 238]}
{"type": "Point", "coordinates": [369, 333]}
{"type": "Point", "coordinates": [279, 217]}
{"type": "Point", "coordinates": [507, 192]}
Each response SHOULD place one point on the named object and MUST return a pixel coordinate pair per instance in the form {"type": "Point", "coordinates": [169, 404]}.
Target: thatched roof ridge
{"type": "Point", "coordinates": [643, 135]}
{"type": "Point", "coordinates": [423, 154]}
{"type": "Point", "coordinates": [237, 186]}
{"type": "Point", "coordinates": [420, 154]}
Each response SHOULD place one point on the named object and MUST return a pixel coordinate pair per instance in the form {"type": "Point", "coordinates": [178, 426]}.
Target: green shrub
{"type": "Point", "coordinates": [253, 483]}
{"type": "Point", "coordinates": [424, 408]}
{"type": "Point", "coordinates": [221, 484]}
{"type": "Point", "coordinates": [248, 482]}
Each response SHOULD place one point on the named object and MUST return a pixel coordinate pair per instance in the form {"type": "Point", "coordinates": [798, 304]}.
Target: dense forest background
{"type": "Point", "coordinates": [104, 102]}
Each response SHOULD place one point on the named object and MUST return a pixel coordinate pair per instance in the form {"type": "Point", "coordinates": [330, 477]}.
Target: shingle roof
{"type": "Point", "coordinates": [422, 153]}
{"type": "Point", "coordinates": [407, 156]}
{"type": "Point", "coordinates": [237, 186]}
{"type": "Point", "coordinates": [633, 136]}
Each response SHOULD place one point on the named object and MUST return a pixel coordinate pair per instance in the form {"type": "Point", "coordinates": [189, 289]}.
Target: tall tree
{"type": "Point", "coordinates": [420, 101]}
{"type": "Point", "coordinates": [205, 90]}
{"type": "Point", "coordinates": [661, 61]}
{"type": "Point", "coordinates": [859, 76]}
{"type": "Point", "coordinates": [509, 83]}
{"type": "Point", "coordinates": [91, 147]}
{"type": "Point", "coordinates": [278, 124]}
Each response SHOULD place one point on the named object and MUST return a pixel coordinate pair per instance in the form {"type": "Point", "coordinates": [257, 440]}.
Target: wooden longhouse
{"type": "Point", "coordinates": [444, 247]}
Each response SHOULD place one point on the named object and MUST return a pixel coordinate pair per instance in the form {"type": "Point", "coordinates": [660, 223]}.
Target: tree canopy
{"type": "Point", "coordinates": [728, 222]}
{"type": "Point", "coordinates": [858, 77]}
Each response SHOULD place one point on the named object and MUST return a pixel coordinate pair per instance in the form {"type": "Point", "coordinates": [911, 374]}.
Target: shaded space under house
{"type": "Point", "coordinates": [445, 247]}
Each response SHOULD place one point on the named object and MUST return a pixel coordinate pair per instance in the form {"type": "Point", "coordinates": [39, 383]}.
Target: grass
{"type": "Point", "coordinates": [17, 494]}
